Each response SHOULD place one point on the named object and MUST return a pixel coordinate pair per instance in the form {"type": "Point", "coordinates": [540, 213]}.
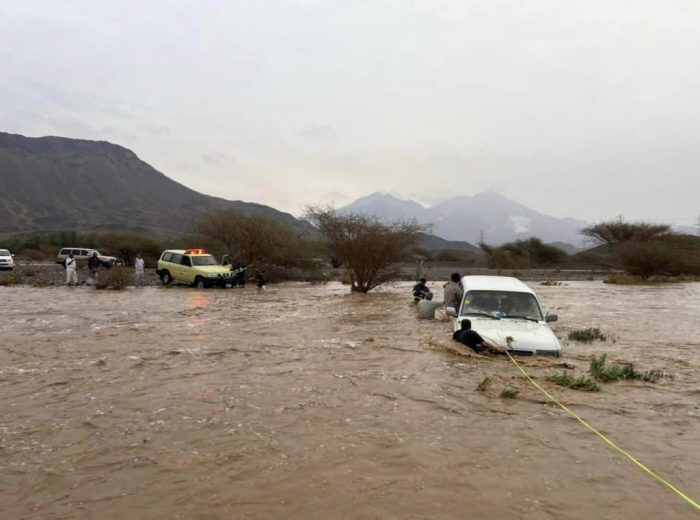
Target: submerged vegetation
{"type": "Point", "coordinates": [509, 393]}
{"type": "Point", "coordinates": [485, 383]}
{"type": "Point", "coordinates": [582, 384]}
{"type": "Point", "coordinates": [587, 335]}
{"type": "Point", "coordinates": [606, 373]}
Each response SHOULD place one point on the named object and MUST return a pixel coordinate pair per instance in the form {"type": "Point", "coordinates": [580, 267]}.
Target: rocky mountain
{"type": "Point", "coordinates": [54, 183]}
{"type": "Point", "coordinates": [466, 217]}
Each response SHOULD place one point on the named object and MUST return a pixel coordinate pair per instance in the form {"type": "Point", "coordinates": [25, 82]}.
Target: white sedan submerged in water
{"type": "Point", "coordinates": [505, 311]}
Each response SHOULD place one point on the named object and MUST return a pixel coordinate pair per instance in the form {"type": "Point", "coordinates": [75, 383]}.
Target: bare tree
{"type": "Point", "coordinates": [367, 247]}
{"type": "Point", "coordinates": [256, 239]}
{"type": "Point", "coordinates": [617, 231]}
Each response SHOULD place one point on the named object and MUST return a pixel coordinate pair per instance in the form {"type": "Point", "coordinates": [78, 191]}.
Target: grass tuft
{"type": "Point", "coordinates": [582, 384]}
{"type": "Point", "coordinates": [485, 383]}
{"type": "Point", "coordinates": [509, 393]}
{"type": "Point", "coordinates": [601, 371]}
{"type": "Point", "coordinates": [587, 335]}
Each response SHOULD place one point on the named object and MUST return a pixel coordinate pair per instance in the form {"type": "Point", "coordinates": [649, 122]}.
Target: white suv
{"type": "Point", "coordinates": [505, 311]}
{"type": "Point", "coordinates": [6, 260]}
{"type": "Point", "coordinates": [82, 255]}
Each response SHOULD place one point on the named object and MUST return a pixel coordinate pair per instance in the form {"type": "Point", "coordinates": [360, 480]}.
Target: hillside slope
{"type": "Point", "coordinates": [52, 183]}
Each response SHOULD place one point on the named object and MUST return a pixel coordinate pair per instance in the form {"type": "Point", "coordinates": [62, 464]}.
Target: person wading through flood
{"type": "Point", "coordinates": [473, 340]}
{"type": "Point", "coordinates": [421, 291]}
{"type": "Point", "coordinates": [454, 292]}
{"type": "Point", "coordinates": [260, 281]}
{"type": "Point", "coordinates": [71, 270]}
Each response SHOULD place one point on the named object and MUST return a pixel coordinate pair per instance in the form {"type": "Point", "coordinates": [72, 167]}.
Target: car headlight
{"type": "Point", "coordinates": [211, 275]}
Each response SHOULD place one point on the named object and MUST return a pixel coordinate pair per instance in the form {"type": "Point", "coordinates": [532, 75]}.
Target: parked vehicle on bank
{"type": "Point", "coordinates": [506, 312]}
{"type": "Point", "coordinates": [82, 255]}
{"type": "Point", "coordinates": [194, 267]}
{"type": "Point", "coordinates": [6, 260]}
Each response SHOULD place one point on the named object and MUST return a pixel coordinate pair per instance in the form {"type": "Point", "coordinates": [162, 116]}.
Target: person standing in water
{"type": "Point", "coordinates": [71, 270]}
{"type": "Point", "coordinates": [260, 281]}
{"type": "Point", "coordinates": [473, 340]}
{"type": "Point", "coordinates": [454, 291]}
{"type": "Point", "coordinates": [421, 291]}
{"type": "Point", "coordinates": [139, 266]}
{"type": "Point", "coordinates": [94, 265]}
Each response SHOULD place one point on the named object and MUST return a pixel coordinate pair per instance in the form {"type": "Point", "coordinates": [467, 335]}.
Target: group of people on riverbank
{"type": "Point", "coordinates": [94, 265]}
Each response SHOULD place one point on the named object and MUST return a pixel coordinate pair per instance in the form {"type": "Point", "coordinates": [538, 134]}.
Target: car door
{"type": "Point", "coordinates": [175, 267]}
{"type": "Point", "coordinates": [186, 269]}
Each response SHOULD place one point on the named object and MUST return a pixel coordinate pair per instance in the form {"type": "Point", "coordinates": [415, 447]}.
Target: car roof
{"type": "Point", "coordinates": [494, 283]}
{"type": "Point", "coordinates": [184, 252]}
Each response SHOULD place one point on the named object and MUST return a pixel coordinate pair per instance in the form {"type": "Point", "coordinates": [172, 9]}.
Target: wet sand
{"type": "Point", "coordinates": [306, 401]}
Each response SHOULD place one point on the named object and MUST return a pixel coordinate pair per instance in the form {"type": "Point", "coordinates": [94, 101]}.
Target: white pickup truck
{"type": "Point", "coordinates": [505, 311]}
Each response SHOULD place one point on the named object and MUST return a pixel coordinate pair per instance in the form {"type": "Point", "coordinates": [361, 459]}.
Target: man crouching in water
{"type": "Point", "coordinates": [472, 339]}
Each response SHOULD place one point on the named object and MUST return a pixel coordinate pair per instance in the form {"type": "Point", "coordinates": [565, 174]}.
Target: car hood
{"type": "Point", "coordinates": [518, 335]}
{"type": "Point", "coordinates": [3, 257]}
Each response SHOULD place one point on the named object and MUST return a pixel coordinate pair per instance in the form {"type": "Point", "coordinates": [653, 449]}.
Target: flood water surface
{"type": "Point", "coordinates": [305, 401]}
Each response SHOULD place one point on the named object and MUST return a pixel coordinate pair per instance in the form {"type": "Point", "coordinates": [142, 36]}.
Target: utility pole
{"type": "Point", "coordinates": [481, 240]}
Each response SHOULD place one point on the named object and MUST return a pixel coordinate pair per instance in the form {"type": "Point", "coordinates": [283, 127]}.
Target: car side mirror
{"type": "Point", "coordinates": [551, 316]}
{"type": "Point", "coordinates": [451, 311]}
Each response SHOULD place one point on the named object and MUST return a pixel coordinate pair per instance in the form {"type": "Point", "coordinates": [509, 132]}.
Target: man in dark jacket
{"type": "Point", "coordinates": [94, 265]}
{"type": "Point", "coordinates": [473, 340]}
{"type": "Point", "coordinates": [421, 291]}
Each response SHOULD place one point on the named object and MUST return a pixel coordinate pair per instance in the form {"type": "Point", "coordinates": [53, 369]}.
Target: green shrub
{"type": "Point", "coordinates": [587, 335]}
{"type": "Point", "coordinates": [601, 371]}
{"type": "Point", "coordinates": [582, 384]}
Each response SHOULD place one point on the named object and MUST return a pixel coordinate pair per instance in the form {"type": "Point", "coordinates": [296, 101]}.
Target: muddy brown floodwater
{"type": "Point", "coordinates": [305, 401]}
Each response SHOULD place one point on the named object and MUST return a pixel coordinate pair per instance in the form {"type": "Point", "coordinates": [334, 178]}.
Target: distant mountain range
{"type": "Point", "coordinates": [54, 183]}
{"type": "Point", "coordinates": [465, 218]}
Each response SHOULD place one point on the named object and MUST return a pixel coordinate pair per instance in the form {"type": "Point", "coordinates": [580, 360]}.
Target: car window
{"type": "Point", "coordinates": [204, 260]}
{"type": "Point", "coordinates": [76, 252]}
{"type": "Point", "coordinates": [176, 259]}
{"type": "Point", "coordinates": [186, 261]}
{"type": "Point", "coordinates": [167, 257]}
{"type": "Point", "coordinates": [501, 304]}
{"type": "Point", "coordinates": [83, 252]}
{"type": "Point", "coordinates": [4, 252]}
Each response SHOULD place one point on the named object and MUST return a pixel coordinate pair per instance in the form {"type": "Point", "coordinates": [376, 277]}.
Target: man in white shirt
{"type": "Point", "coordinates": [139, 266]}
{"type": "Point", "coordinates": [71, 271]}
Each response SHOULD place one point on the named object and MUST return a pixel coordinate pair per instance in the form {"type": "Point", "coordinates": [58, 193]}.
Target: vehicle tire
{"type": "Point", "coordinates": [199, 283]}
{"type": "Point", "coordinates": [166, 278]}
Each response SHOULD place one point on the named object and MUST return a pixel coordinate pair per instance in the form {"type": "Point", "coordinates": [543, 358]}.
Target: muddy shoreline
{"type": "Point", "coordinates": [46, 274]}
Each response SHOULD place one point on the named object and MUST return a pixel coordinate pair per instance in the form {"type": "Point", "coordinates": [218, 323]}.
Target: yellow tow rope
{"type": "Point", "coordinates": [637, 463]}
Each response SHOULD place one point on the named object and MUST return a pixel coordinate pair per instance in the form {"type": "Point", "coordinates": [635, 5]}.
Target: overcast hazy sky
{"type": "Point", "coordinates": [587, 109]}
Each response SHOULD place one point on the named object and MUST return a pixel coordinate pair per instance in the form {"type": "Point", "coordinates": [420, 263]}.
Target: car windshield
{"type": "Point", "coordinates": [501, 304]}
{"type": "Point", "coordinates": [4, 252]}
{"type": "Point", "coordinates": [203, 260]}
